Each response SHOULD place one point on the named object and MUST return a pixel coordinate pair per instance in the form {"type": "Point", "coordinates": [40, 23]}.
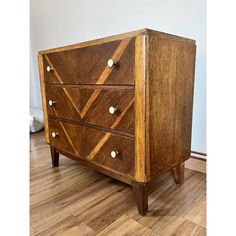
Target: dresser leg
{"type": "Point", "coordinates": [54, 156]}
{"type": "Point", "coordinates": [141, 196]}
{"type": "Point", "coordinates": [178, 172]}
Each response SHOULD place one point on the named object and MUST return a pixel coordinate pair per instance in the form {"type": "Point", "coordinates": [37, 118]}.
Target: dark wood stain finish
{"type": "Point", "coordinates": [74, 104]}
{"type": "Point", "coordinates": [54, 156]}
{"type": "Point", "coordinates": [151, 85]}
{"type": "Point", "coordinates": [171, 80]}
{"type": "Point", "coordinates": [141, 196]}
{"type": "Point", "coordinates": [85, 65]}
{"type": "Point", "coordinates": [81, 141]}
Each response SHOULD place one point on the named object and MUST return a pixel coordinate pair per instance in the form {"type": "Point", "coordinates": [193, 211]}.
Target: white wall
{"type": "Point", "coordinates": [61, 22]}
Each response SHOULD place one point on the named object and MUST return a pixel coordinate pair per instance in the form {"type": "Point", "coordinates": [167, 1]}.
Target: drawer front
{"type": "Point", "coordinates": [94, 145]}
{"type": "Point", "coordinates": [89, 65]}
{"type": "Point", "coordinates": [93, 106]}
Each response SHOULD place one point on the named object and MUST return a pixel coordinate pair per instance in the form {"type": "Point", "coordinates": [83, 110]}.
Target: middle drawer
{"type": "Point", "coordinates": [108, 107]}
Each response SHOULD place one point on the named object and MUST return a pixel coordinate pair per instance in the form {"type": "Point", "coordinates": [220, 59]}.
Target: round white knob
{"type": "Point", "coordinates": [114, 154]}
{"type": "Point", "coordinates": [50, 102]}
{"type": "Point", "coordinates": [110, 63]}
{"type": "Point", "coordinates": [49, 68]}
{"type": "Point", "coordinates": [112, 110]}
{"type": "Point", "coordinates": [54, 134]}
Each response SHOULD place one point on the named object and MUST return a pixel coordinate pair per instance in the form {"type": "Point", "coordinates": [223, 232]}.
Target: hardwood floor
{"type": "Point", "coordinates": [72, 200]}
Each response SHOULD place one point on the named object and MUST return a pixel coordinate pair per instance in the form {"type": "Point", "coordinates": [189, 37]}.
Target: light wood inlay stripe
{"type": "Point", "coordinates": [66, 133]}
{"type": "Point", "coordinates": [61, 82]}
{"type": "Point", "coordinates": [54, 69]}
{"type": "Point", "coordinates": [91, 100]}
{"type": "Point", "coordinates": [141, 174]}
{"type": "Point", "coordinates": [116, 57]}
{"type": "Point", "coordinates": [71, 100]}
{"type": "Point", "coordinates": [68, 137]}
{"type": "Point", "coordinates": [42, 86]}
{"type": "Point", "coordinates": [105, 74]}
{"type": "Point", "coordinates": [107, 135]}
{"type": "Point", "coordinates": [122, 115]}
{"type": "Point", "coordinates": [98, 146]}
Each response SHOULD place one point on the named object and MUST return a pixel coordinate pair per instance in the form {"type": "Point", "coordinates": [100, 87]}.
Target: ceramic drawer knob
{"type": "Point", "coordinates": [114, 154]}
{"type": "Point", "coordinates": [54, 134]}
{"type": "Point", "coordinates": [49, 68]}
{"type": "Point", "coordinates": [111, 63]}
{"type": "Point", "coordinates": [51, 102]}
{"type": "Point", "coordinates": [112, 110]}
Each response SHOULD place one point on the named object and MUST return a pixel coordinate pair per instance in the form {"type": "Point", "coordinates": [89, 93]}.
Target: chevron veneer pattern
{"type": "Point", "coordinates": [121, 105]}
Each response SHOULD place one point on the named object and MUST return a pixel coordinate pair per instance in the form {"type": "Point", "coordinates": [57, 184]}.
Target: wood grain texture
{"type": "Point", "coordinates": [141, 149]}
{"type": "Point", "coordinates": [106, 137]}
{"type": "Point", "coordinates": [171, 80]}
{"type": "Point", "coordinates": [78, 230]}
{"type": "Point", "coordinates": [151, 85]}
{"type": "Point", "coordinates": [88, 65]}
{"type": "Point", "coordinates": [100, 168]}
{"type": "Point", "coordinates": [72, 198]}
{"type": "Point", "coordinates": [126, 226]}
{"type": "Point", "coordinates": [95, 112]}
{"type": "Point", "coordinates": [127, 67]}
{"type": "Point", "coordinates": [164, 35]}
{"type": "Point", "coordinates": [92, 144]}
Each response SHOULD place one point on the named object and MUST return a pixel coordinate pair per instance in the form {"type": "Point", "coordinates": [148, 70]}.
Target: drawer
{"type": "Point", "coordinates": [94, 145]}
{"type": "Point", "coordinates": [89, 65]}
{"type": "Point", "coordinates": [92, 105]}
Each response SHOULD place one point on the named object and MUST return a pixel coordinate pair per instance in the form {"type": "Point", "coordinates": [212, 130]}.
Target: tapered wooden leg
{"type": "Point", "coordinates": [141, 195]}
{"type": "Point", "coordinates": [178, 172]}
{"type": "Point", "coordinates": [54, 156]}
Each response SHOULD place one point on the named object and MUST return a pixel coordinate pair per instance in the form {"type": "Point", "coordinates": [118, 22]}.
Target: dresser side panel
{"type": "Point", "coordinates": [170, 65]}
{"type": "Point", "coordinates": [43, 95]}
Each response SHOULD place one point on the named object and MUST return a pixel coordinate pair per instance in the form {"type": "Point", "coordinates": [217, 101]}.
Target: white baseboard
{"type": "Point", "coordinates": [196, 164]}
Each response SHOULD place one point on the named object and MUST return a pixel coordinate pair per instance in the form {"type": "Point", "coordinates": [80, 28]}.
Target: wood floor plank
{"type": "Point", "coordinates": [73, 200]}
{"type": "Point", "coordinates": [174, 201]}
{"type": "Point", "coordinates": [80, 230]}
{"type": "Point", "coordinates": [56, 228]}
{"type": "Point", "coordinates": [197, 214]}
{"type": "Point", "coordinates": [188, 228]}
{"type": "Point", "coordinates": [126, 226]}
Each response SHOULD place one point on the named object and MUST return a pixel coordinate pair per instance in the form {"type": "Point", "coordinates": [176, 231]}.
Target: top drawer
{"type": "Point", "coordinates": [89, 65]}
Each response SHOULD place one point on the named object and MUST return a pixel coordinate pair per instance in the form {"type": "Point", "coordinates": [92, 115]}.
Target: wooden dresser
{"type": "Point", "coordinates": [121, 105]}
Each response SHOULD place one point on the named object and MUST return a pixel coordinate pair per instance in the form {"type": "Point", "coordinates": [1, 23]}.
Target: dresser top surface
{"type": "Point", "coordinates": [135, 33]}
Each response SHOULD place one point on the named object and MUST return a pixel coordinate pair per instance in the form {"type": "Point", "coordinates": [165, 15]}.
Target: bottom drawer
{"type": "Point", "coordinates": [107, 149]}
